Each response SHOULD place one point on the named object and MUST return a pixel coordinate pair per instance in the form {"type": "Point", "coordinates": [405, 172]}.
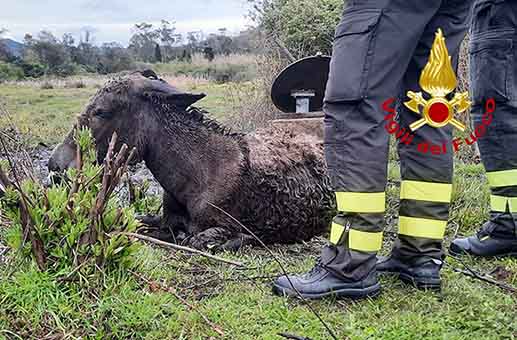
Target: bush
{"type": "Point", "coordinates": [46, 85]}
{"type": "Point", "coordinates": [10, 72]}
{"type": "Point", "coordinates": [233, 68]}
{"type": "Point", "coordinates": [66, 69]}
{"type": "Point", "coordinates": [304, 27]}
{"type": "Point", "coordinates": [74, 227]}
{"type": "Point", "coordinates": [31, 70]}
{"type": "Point", "coordinates": [75, 84]}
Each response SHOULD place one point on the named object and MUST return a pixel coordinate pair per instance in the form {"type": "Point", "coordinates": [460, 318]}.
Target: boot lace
{"type": "Point", "coordinates": [486, 230]}
{"type": "Point", "coordinates": [318, 267]}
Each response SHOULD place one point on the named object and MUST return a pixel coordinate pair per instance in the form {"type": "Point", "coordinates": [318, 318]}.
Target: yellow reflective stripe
{"type": "Point", "coordinates": [357, 240]}
{"type": "Point", "coordinates": [364, 241]}
{"type": "Point", "coordinates": [499, 203]}
{"type": "Point", "coordinates": [336, 231]}
{"type": "Point", "coordinates": [426, 191]}
{"type": "Point", "coordinates": [422, 227]}
{"type": "Point", "coordinates": [361, 202]}
{"type": "Point", "coordinates": [502, 178]}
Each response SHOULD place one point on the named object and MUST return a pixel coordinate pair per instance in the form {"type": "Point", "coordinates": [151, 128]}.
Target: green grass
{"type": "Point", "coordinates": [46, 115]}
{"type": "Point", "coordinates": [239, 301]}
{"type": "Point", "coordinates": [33, 304]}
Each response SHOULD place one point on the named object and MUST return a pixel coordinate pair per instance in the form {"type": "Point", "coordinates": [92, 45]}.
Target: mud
{"type": "Point", "coordinates": [138, 173]}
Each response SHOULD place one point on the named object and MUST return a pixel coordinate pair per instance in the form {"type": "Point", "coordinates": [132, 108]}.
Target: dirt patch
{"type": "Point", "coordinates": [501, 273]}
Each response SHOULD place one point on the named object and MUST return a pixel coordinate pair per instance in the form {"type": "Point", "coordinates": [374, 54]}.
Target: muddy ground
{"type": "Point", "coordinates": [138, 173]}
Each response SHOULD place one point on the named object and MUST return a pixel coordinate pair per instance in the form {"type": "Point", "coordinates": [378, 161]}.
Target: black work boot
{"type": "Point", "coordinates": [485, 246]}
{"type": "Point", "coordinates": [496, 237]}
{"type": "Point", "coordinates": [425, 275]}
{"type": "Point", "coordinates": [319, 283]}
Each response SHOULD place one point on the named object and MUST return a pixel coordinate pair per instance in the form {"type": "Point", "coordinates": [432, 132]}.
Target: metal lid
{"type": "Point", "coordinates": [307, 74]}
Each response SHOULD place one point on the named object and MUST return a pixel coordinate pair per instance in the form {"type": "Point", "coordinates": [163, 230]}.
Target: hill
{"type": "Point", "coordinates": [13, 47]}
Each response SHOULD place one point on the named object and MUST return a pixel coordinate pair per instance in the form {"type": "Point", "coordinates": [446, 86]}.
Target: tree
{"type": "Point", "coordinates": [220, 43]}
{"type": "Point", "coordinates": [304, 27]}
{"type": "Point", "coordinates": [68, 40]}
{"type": "Point", "coordinates": [114, 58]}
{"type": "Point", "coordinates": [208, 53]}
{"type": "Point", "coordinates": [86, 53]}
{"type": "Point", "coordinates": [168, 37]}
{"type": "Point", "coordinates": [48, 51]}
{"type": "Point", "coordinates": [157, 54]}
{"type": "Point", "coordinates": [142, 43]}
{"type": "Point", "coordinates": [87, 35]}
{"type": "Point", "coordinates": [194, 38]}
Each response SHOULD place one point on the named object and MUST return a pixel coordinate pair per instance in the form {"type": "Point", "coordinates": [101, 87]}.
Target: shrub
{"type": "Point", "coordinates": [75, 84]}
{"type": "Point", "coordinates": [74, 227]}
{"type": "Point", "coordinates": [10, 72]}
{"type": "Point", "coordinates": [31, 70]}
{"type": "Point", "coordinates": [66, 69]}
{"type": "Point", "coordinates": [304, 27]}
{"type": "Point", "coordinates": [46, 85]}
{"type": "Point", "coordinates": [141, 199]}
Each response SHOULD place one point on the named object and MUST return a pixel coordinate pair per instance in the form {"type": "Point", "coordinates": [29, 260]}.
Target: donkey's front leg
{"type": "Point", "coordinates": [171, 226]}
{"type": "Point", "coordinates": [211, 239]}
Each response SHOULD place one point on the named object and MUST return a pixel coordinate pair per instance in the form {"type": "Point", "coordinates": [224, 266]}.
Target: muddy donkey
{"type": "Point", "coordinates": [272, 181]}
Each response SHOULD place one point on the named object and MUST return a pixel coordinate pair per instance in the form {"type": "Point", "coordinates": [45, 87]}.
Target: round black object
{"type": "Point", "coordinates": [310, 74]}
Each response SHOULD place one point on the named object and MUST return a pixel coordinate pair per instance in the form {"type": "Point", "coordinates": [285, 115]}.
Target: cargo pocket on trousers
{"type": "Point", "coordinates": [491, 70]}
{"type": "Point", "coordinates": [351, 51]}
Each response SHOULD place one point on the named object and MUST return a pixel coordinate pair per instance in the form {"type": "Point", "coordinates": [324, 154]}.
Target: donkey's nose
{"type": "Point", "coordinates": [53, 166]}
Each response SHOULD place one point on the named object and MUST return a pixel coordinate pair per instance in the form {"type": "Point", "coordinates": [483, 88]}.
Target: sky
{"type": "Point", "coordinates": [112, 20]}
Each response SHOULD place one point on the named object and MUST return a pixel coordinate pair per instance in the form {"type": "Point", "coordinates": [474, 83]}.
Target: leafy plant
{"type": "Point", "coordinates": [140, 198]}
{"type": "Point", "coordinates": [75, 227]}
{"type": "Point", "coordinates": [304, 27]}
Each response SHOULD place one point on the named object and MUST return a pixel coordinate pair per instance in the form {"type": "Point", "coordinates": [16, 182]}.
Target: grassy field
{"type": "Point", "coordinates": [47, 114]}
{"type": "Point", "coordinates": [237, 302]}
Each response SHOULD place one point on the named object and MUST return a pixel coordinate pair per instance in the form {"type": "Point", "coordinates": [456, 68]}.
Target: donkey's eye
{"type": "Point", "coordinates": [103, 114]}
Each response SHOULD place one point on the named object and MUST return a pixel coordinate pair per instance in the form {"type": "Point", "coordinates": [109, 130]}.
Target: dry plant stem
{"type": "Point", "coordinates": [292, 336]}
{"type": "Point", "coordinates": [305, 302]}
{"type": "Point", "coordinates": [181, 248]}
{"type": "Point", "coordinates": [472, 273]}
{"type": "Point", "coordinates": [114, 166]}
{"type": "Point", "coordinates": [172, 291]}
{"type": "Point", "coordinates": [76, 184]}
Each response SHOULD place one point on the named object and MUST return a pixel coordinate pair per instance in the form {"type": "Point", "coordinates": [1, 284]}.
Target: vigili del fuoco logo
{"type": "Point", "coordinates": [438, 80]}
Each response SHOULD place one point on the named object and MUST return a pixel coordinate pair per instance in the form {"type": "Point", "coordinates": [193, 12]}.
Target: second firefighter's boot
{"type": "Point", "coordinates": [320, 282]}
{"type": "Point", "coordinates": [486, 243]}
{"type": "Point", "coordinates": [493, 84]}
{"type": "Point", "coordinates": [424, 275]}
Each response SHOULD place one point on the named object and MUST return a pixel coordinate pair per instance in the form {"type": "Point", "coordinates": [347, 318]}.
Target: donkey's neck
{"type": "Point", "coordinates": [187, 162]}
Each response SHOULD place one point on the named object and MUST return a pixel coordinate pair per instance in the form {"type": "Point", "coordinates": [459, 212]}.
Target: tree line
{"type": "Point", "coordinates": [46, 54]}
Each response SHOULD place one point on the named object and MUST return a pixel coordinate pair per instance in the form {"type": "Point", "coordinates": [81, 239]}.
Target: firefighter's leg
{"type": "Point", "coordinates": [372, 49]}
{"type": "Point", "coordinates": [426, 172]}
{"type": "Point", "coordinates": [493, 76]}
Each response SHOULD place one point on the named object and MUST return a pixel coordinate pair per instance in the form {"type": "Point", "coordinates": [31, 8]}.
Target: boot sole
{"type": "Point", "coordinates": [421, 284]}
{"type": "Point", "coordinates": [346, 293]}
{"type": "Point", "coordinates": [464, 252]}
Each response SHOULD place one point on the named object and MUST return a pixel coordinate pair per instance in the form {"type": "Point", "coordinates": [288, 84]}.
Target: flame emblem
{"type": "Point", "coordinates": [438, 80]}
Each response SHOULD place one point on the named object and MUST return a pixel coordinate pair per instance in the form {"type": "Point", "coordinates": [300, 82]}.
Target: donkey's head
{"type": "Point", "coordinates": [127, 106]}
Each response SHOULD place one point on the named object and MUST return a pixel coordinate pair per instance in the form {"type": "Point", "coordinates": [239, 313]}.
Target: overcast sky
{"type": "Point", "coordinates": [112, 20]}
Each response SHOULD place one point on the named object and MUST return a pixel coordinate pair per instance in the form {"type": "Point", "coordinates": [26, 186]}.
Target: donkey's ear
{"type": "Point", "coordinates": [149, 74]}
{"type": "Point", "coordinates": [184, 100]}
